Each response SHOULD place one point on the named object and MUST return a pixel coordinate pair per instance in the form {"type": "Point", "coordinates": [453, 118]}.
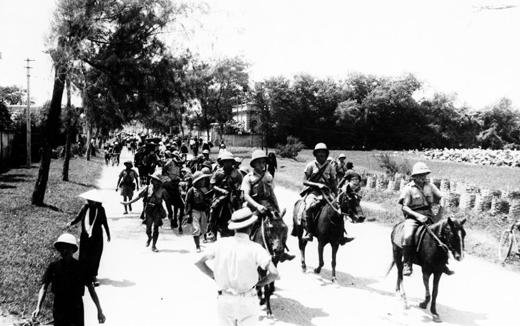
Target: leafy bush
{"type": "Point", "coordinates": [5, 116]}
{"type": "Point", "coordinates": [391, 166]}
{"type": "Point", "coordinates": [291, 148]}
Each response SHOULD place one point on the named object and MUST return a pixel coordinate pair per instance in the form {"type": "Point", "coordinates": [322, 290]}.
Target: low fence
{"type": "Point", "coordinates": [6, 150]}
{"type": "Point", "coordinates": [457, 194]}
{"type": "Point", "coordinates": [243, 140]}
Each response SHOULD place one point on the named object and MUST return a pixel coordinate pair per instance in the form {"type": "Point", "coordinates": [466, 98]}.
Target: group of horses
{"type": "Point", "coordinates": [433, 249]}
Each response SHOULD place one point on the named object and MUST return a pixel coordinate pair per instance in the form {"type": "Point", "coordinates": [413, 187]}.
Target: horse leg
{"type": "Point", "coordinates": [267, 297]}
{"type": "Point", "coordinates": [302, 244]}
{"type": "Point", "coordinates": [399, 287]}
{"type": "Point", "coordinates": [334, 252]}
{"type": "Point", "coordinates": [317, 270]}
{"type": "Point", "coordinates": [426, 281]}
{"type": "Point", "coordinates": [433, 307]}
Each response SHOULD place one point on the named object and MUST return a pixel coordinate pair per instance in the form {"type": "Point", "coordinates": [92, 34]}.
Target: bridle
{"type": "Point", "coordinates": [331, 204]}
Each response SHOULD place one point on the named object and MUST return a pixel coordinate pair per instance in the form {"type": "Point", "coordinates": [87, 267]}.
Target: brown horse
{"type": "Point", "coordinates": [270, 231]}
{"type": "Point", "coordinates": [446, 236]}
{"type": "Point", "coordinates": [327, 227]}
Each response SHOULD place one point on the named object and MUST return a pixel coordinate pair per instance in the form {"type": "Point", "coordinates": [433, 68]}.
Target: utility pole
{"type": "Point", "coordinates": [28, 143]}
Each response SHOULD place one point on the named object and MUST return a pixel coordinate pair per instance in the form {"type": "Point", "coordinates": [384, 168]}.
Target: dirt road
{"type": "Point", "coordinates": [139, 287]}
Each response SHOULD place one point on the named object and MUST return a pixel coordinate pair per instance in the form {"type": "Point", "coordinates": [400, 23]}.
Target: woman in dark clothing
{"type": "Point", "coordinates": [92, 216]}
{"type": "Point", "coordinates": [271, 163]}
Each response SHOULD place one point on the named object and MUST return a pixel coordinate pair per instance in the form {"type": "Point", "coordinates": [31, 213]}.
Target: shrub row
{"type": "Point", "coordinates": [475, 155]}
{"type": "Point", "coordinates": [457, 194]}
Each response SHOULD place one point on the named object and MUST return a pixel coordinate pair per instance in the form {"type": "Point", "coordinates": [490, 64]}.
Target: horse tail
{"type": "Point", "coordinates": [392, 264]}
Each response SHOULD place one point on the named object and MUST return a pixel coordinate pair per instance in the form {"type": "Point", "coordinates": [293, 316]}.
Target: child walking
{"type": "Point", "coordinates": [126, 183]}
{"type": "Point", "coordinates": [196, 207]}
{"type": "Point", "coordinates": [69, 278]}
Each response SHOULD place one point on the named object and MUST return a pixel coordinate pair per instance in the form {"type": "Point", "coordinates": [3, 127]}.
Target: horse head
{"type": "Point", "coordinates": [275, 231]}
{"type": "Point", "coordinates": [453, 234]}
{"type": "Point", "coordinates": [349, 204]}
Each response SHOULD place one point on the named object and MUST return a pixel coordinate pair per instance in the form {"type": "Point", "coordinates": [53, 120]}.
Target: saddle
{"type": "Point", "coordinates": [316, 212]}
{"type": "Point", "coordinates": [397, 236]}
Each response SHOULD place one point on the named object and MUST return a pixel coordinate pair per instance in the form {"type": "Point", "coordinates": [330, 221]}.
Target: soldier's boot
{"type": "Point", "coordinates": [344, 239]}
{"type": "Point", "coordinates": [446, 270]}
{"type": "Point", "coordinates": [309, 230]}
{"type": "Point", "coordinates": [407, 260]}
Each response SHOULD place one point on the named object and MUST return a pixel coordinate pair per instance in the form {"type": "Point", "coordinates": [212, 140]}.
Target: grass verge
{"type": "Point", "coordinates": [27, 232]}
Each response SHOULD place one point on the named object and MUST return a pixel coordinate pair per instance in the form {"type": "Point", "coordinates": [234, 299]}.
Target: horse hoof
{"type": "Point", "coordinates": [317, 270]}
{"type": "Point", "coordinates": [423, 305]}
{"type": "Point", "coordinates": [436, 318]}
{"type": "Point", "coordinates": [334, 279]}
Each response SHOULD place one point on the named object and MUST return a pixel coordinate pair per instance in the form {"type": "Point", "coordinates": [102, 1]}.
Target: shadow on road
{"type": "Point", "coordinates": [448, 314]}
{"type": "Point", "coordinates": [116, 283]}
{"type": "Point", "coordinates": [293, 312]}
{"type": "Point", "coordinates": [453, 316]}
{"type": "Point", "coordinates": [179, 251]}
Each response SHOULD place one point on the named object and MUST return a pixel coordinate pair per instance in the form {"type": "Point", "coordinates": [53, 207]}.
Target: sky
{"type": "Point", "coordinates": [451, 46]}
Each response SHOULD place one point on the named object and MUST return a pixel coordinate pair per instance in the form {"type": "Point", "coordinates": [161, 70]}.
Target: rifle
{"type": "Point", "coordinates": [314, 178]}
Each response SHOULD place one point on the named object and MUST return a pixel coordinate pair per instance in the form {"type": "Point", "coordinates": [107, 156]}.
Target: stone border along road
{"type": "Point", "coordinates": [139, 287]}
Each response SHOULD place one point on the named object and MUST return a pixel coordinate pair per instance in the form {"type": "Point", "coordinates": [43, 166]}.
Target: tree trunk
{"type": "Point", "coordinates": [69, 134]}
{"type": "Point", "coordinates": [68, 144]}
{"type": "Point", "coordinates": [53, 123]}
{"type": "Point", "coordinates": [89, 135]}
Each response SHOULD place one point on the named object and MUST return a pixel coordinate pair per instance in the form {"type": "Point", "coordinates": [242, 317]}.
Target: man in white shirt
{"type": "Point", "coordinates": [236, 260]}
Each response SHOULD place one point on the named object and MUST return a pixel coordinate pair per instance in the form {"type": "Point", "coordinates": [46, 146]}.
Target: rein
{"type": "Point", "coordinates": [331, 204]}
{"type": "Point", "coordinates": [439, 242]}
{"type": "Point", "coordinates": [263, 231]}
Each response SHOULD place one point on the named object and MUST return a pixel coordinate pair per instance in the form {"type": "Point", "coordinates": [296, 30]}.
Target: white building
{"type": "Point", "coordinates": [247, 115]}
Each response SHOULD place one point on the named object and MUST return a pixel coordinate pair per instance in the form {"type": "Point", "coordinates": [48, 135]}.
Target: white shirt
{"type": "Point", "coordinates": [236, 261]}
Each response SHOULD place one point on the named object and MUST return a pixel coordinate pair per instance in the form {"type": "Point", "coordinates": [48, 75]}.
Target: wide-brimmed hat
{"type": "Point", "coordinates": [129, 163]}
{"type": "Point", "coordinates": [258, 154]}
{"type": "Point", "coordinates": [342, 156]}
{"type": "Point", "coordinates": [92, 195]}
{"type": "Point", "coordinates": [199, 175]}
{"type": "Point", "coordinates": [242, 218]}
{"type": "Point", "coordinates": [67, 238]}
{"type": "Point", "coordinates": [320, 147]}
{"type": "Point", "coordinates": [157, 176]}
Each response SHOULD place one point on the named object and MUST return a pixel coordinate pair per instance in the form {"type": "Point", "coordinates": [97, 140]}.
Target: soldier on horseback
{"type": "Point", "coordinates": [225, 183]}
{"type": "Point", "coordinates": [417, 199]}
{"type": "Point", "coordinates": [320, 180]}
{"type": "Point", "coordinates": [258, 190]}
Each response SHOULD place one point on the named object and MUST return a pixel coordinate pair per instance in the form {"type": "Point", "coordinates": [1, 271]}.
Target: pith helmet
{"type": "Point", "coordinates": [342, 156]}
{"type": "Point", "coordinates": [225, 156]}
{"type": "Point", "coordinates": [320, 147]}
{"type": "Point", "coordinates": [352, 174]}
{"type": "Point", "coordinates": [157, 176]}
{"type": "Point", "coordinates": [420, 168]}
{"type": "Point", "coordinates": [68, 239]}
{"type": "Point", "coordinates": [258, 154]}
{"type": "Point", "coordinates": [199, 175]}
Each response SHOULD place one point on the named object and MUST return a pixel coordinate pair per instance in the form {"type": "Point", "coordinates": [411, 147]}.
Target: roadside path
{"type": "Point", "coordinates": [139, 287]}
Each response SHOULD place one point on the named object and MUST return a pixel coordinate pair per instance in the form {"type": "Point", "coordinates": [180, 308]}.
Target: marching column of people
{"type": "Point", "coordinates": [176, 186]}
